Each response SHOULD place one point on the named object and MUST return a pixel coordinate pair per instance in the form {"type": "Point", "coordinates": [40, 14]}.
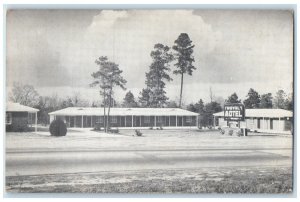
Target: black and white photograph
{"type": "Point", "coordinates": [149, 101]}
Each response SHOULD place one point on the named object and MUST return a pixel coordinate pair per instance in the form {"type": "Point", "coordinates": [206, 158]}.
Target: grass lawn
{"type": "Point", "coordinates": [204, 180]}
{"type": "Point", "coordinates": [151, 139]}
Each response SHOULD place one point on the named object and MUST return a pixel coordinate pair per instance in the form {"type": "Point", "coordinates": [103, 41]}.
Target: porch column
{"type": "Point", "coordinates": [169, 121]}
{"type": "Point", "coordinates": [35, 121]}
{"type": "Point", "coordinates": [140, 121]}
{"type": "Point", "coordinates": [155, 121]}
{"type": "Point", "coordinates": [125, 121]}
{"type": "Point", "coordinates": [176, 120]}
{"type": "Point", "coordinates": [132, 121]}
{"type": "Point", "coordinates": [92, 121]}
{"type": "Point", "coordinates": [197, 120]}
{"type": "Point", "coordinates": [263, 125]}
{"type": "Point", "coordinates": [81, 121]}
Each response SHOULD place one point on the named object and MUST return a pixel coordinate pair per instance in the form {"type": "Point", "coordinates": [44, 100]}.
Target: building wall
{"type": "Point", "coordinates": [19, 122]}
{"type": "Point", "coordinates": [128, 121]}
{"type": "Point", "coordinates": [264, 124]}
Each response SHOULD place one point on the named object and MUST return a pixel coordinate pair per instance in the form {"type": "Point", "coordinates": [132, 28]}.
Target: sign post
{"type": "Point", "coordinates": [235, 113]}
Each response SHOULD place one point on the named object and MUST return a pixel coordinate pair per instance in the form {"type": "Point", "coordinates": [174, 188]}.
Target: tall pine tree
{"type": "Point", "coordinates": [154, 95]}
{"type": "Point", "coordinates": [184, 50]}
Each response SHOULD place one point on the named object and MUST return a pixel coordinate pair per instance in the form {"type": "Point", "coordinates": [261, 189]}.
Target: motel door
{"type": "Point", "coordinates": [72, 121]}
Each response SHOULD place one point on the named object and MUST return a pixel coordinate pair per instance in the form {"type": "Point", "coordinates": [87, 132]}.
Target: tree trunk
{"type": "Point", "coordinates": [104, 118]}
{"type": "Point", "coordinates": [109, 103]}
{"type": "Point", "coordinates": [181, 86]}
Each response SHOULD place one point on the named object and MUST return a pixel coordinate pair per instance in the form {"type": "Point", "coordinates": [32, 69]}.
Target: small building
{"type": "Point", "coordinates": [19, 117]}
{"type": "Point", "coordinates": [81, 117]}
{"type": "Point", "coordinates": [263, 120]}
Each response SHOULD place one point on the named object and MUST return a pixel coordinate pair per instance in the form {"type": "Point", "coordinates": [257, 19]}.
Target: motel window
{"type": "Point", "coordinates": [113, 119]}
{"type": "Point", "coordinates": [159, 119]}
{"type": "Point", "coordinates": [99, 119]}
{"type": "Point", "coordinates": [8, 119]}
{"type": "Point", "coordinates": [188, 119]}
{"type": "Point", "coordinates": [147, 119]}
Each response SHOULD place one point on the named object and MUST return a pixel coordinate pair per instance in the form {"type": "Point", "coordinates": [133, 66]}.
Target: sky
{"type": "Point", "coordinates": [235, 50]}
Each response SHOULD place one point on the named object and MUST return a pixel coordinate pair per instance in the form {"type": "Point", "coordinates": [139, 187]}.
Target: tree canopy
{"type": "Point", "coordinates": [252, 100]}
{"type": "Point", "coordinates": [232, 99]}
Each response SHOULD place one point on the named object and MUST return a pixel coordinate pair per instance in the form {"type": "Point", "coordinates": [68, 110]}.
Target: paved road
{"type": "Point", "coordinates": [75, 161]}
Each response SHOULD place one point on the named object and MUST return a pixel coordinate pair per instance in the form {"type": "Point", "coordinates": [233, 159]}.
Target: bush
{"type": "Point", "coordinates": [58, 128]}
{"type": "Point", "coordinates": [138, 133]}
{"type": "Point", "coordinates": [230, 132]}
{"type": "Point", "coordinates": [97, 127]}
{"type": "Point", "coordinates": [161, 128]}
{"type": "Point", "coordinates": [222, 131]}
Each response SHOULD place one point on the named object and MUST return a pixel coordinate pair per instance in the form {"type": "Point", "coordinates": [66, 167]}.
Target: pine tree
{"type": "Point", "coordinates": [108, 76]}
{"type": "Point", "coordinates": [184, 50]}
{"type": "Point", "coordinates": [154, 95]}
{"type": "Point", "coordinates": [129, 100]}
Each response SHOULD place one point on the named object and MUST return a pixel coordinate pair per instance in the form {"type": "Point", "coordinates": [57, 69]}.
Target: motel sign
{"type": "Point", "coordinates": [234, 112]}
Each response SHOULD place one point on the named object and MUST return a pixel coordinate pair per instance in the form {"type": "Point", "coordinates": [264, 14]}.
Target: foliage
{"type": "Point", "coordinates": [154, 95]}
{"type": "Point", "coordinates": [279, 99]}
{"type": "Point", "coordinates": [266, 100]}
{"type": "Point", "coordinates": [183, 53]}
{"type": "Point", "coordinates": [230, 132]}
{"type": "Point", "coordinates": [106, 78]}
{"type": "Point", "coordinates": [253, 99]}
{"type": "Point", "coordinates": [144, 98]}
{"type": "Point", "coordinates": [232, 99]}
{"type": "Point", "coordinates": [58, 128]}
{"type": "Point", "coordinates": [171, 104]}
{"type": "Point", "coordinates": [282, 101]}
{"type": "Point", "coordinates": [129, 100]}
{"type": "Point", "coordinates": [24, 94]}
{"type": "Point", "coordinates": [205, 111]}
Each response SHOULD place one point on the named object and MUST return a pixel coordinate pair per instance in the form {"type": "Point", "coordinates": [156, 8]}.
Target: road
{"type": "Point", "coordinates": [34, 162]}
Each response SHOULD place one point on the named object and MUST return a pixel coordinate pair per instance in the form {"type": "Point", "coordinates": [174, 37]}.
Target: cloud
{"type": "Point", "coordinates": [129, 37]}
{"type": "Point", "coordinates": [233, 49]}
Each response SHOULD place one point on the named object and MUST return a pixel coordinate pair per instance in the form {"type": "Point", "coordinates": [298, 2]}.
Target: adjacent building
{"type": "Point", "coordinates": [19, 117]}
{"type": "Point", "coordinates": [263, 120]}
{"type": "Point", "coordinates": [81, 117]}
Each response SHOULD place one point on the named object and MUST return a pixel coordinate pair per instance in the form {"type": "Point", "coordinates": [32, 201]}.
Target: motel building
{"type": "Point", "coordinates": [19, 115]}
{"type": "Point", "coordinates": [263, 120]}
{"type": "Point", "coordinates": [81, 117]}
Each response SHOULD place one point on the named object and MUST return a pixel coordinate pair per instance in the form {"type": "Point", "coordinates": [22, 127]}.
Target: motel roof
{"type": "Point", "coordinates": [16, 107]}
{"type": "Point", "coordinates": [268, 113]}
{"type": "Point", "coordinates": [84, 111]}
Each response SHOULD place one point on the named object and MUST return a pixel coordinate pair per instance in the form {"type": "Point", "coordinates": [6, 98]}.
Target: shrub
{"type": "Point", "coordinates": [222, 131]}
{"type": "Point", "coordinates": [58, 128]}
{"type": "Point", "coordinates": [151, 128]}
{"type": "Point", "coordinates": [161, 128]}
{"type": "Point", "coordinates": [138, 133]}
{"type": "Point", "coordinates": [97, 127]}
{"type": "Point", "coordinates": [230, 132]}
